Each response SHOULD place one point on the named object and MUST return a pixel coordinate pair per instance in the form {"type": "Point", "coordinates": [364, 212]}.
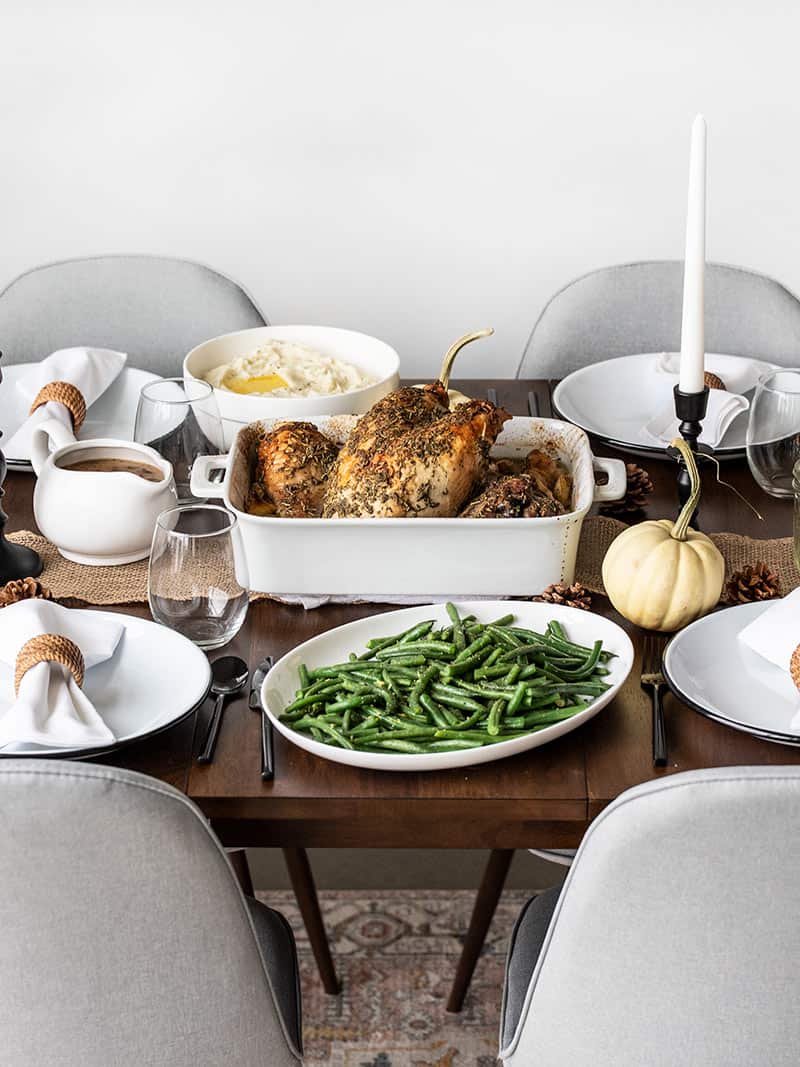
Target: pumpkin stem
{"type": "Point", "coordinates": [455, 348]}
{"type": "Point", "coordinates": [681, 524]}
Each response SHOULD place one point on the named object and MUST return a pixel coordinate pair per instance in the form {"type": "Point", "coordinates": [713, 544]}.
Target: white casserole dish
{"type": "Point", "coordinates": [372, 356]}
{"type": "Point", "coordinates": [418, 556]}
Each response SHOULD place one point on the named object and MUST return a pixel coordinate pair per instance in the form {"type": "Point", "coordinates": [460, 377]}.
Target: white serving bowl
{"type": "Point", "coordinates": [375, 358]}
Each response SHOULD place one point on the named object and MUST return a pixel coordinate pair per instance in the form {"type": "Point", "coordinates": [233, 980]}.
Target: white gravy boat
{"type": "Point", "coordinates": [96, 517]}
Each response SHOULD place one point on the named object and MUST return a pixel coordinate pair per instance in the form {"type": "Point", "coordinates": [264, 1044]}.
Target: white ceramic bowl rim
{"type": "Point", "coordinates": [387, 349]}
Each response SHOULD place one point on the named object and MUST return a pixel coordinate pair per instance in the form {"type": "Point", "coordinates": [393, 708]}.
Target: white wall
{"type": "Point", "coordinates": [413, 170]}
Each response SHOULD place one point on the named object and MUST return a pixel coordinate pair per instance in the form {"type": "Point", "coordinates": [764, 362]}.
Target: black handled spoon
{"type": "Point", "coordinates": [229, 676]}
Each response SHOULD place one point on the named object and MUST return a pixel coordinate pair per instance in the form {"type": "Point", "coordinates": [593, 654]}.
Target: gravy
{"type": "Point", "coordinates": [148, 471]}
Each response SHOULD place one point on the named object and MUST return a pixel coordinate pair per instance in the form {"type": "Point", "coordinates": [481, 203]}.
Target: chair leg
{"type": "Point", "coordinates": [306, 893]}
{"type": "Point", "coordinates": [494, 877]}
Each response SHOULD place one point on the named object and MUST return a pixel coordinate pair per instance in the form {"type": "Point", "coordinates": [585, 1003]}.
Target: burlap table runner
{"type": "Point", "coordinates": [778, 554]}
{"type": "Point", "coordinates": [128, 584]}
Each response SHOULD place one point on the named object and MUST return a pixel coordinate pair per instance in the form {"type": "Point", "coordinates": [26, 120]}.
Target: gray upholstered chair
{"type": "Point", "coordinates": [675, 938]}
{"type": "Point", "coordinates": [152, 307]}
{"type": "Point", "coordinates": [125, 937]}
{"type": "Point", "coordinates": [619, 311]}
{"type": "Point", "coordinates": [636, 307]}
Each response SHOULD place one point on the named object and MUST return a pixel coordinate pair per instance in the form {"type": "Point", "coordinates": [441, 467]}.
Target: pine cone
{"type": "Point", "coordinates": [753, 583]}
{"type": "Point", "coordinates": [23, 589]}
{"type": "Point", "coordinates": [713, 381]}
{"type": "Point", "coordinates": [573, 596]}
{"type": "Point", "coordinates": [638, 490]}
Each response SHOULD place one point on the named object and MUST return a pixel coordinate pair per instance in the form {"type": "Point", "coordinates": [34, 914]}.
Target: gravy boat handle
{"type": "Point", "coordinates": [51, 431]}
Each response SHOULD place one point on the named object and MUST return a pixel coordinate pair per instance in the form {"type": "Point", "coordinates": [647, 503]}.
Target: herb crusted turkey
{"type": "Point", "coordinates": [411, 456]}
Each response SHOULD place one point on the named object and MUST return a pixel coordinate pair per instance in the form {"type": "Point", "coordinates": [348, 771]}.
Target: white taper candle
{"type": "Point", "coordinates": [692, 324]}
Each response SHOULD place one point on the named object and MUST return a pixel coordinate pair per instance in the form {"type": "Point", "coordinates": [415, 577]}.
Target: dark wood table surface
{"type": "Point", "coordinates": [543, 798]}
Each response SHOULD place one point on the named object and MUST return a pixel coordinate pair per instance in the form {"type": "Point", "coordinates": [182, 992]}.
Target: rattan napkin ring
{"type": "Point", "coordinates": [794, 667]}
{"type": "Point", "coordinates": [63, 393]}
{"type": "Point", "coordinates": [49, 648]}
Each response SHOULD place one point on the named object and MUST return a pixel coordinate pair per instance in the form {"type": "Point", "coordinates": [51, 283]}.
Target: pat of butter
{"type": "Point", "coordinates": [265, 383]}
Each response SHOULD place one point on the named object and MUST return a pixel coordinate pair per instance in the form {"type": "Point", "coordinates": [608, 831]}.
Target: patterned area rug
{"type": "Point", "coordinates": [396, 952]}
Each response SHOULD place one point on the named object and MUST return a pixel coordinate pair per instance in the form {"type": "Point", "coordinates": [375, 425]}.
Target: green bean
{"type": "Point", "coordinates": [493, 726]}
{"type": "Point", "coordinates": [307, 701]}
{"type": "Point", "coordinates": [497, 671]}
{"type": "Point", "coordinates": [422, 683]}
{"type": "Point", "coordinates": [438, 714]}
{"type": "Point", "coordinates": [494, 655]}
{"type": "Point", "coordinates": [503, 637]}
{"type": "Point", "coordinates": [433, 649]}
{"type": "Point", "coordinates": [447, 695]}
{"type": "Point", "coordinates": [503, 621]}
{"type": "Point", "coordinates": [305, 680]}
{"type": "Point", "coordinates": [336, 670]}
{"type": "Point", "coordinates": [458, 630]}
{"type": "Point", "coordinates": [355, 701]}
{"type": "Point", "coordinates": [391, 684]}
{"type": "Point", "coordinates": [365, 726]}
{"type": "Point", "coordinates": [464, 667]}
{"type": "Point", "coordinates": [584, 670]}
{"type": "Point", "coordinates": [513, 674]}
{"type": "Point", "coordinates": [516, 700]}
{"type": "Point", "coordinates": [422, 629]}
{"type": "Point", "coordinates": [398, 745]}
{"type": "Point", "coordinates": [454, 744]}
{"type": "Point", "coordinates": [377, 643]}
{"type": "Point", "coordinates": [480, 643]}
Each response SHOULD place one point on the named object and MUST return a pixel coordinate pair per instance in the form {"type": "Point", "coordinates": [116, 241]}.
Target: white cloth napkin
{"type": "Point", "coordinates": [774, 636]}
{"type": "Point", "coordinates": [740, 375]}
{"type": "Point", "coordinates": [51, 709]}
{"type": "Point", "coordinates": [310, 601]}
{"type": "Point", "coordinates": [92, 370]}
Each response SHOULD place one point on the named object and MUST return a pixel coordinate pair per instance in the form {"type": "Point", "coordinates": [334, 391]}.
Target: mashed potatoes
{"type": "Point", "coordinates": [284, 368]}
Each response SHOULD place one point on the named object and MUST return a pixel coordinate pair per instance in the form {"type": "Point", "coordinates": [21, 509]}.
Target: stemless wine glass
{"type": "Point", "coordinates": [180, 420]}
{"type": "Point", "coordinates": [197, 581]}
{"type": "Point", "coordinates": [773, 431]}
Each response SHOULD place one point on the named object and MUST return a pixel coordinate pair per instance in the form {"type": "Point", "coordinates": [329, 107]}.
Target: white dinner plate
{"type": "Point", "coordinates": [111, 415]}
{"type": "Point", "coordinates": [615, 399]}
{"type": "Point", "coordinates": [582, 627]}
{"type": "Point", "coordinates": [710, 669]}
{"type": "Point", "coordinates": [155, 678]}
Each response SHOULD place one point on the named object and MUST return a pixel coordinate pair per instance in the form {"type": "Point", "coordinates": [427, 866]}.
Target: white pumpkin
{"type": "Point", "coordinates": [660, 574]}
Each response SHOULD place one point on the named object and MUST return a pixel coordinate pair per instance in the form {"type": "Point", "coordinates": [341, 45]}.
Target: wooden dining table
{"type": "Point", "coordinates": [544, 798]}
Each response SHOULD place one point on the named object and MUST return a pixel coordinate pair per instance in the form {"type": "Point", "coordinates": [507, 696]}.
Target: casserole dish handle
{"type": "Point", "coordinates": [203, 482]}
{"type": "Point", "coordinates": [617, 484]}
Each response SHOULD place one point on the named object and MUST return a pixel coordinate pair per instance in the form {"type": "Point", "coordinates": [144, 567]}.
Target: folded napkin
{"type": "Point", "coordinates": [740, 375]}
{"type": "Point", "coordinates": [50, 708]}
{"type": "Point", "coordinates": [774, 636]}
{"type": "Point", "coordinates": [91, 370]}
{"type": "Point", "coordinates": [310, 601]}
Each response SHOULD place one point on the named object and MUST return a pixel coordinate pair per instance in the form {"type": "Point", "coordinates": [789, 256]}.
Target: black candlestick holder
{"type": "Point", "coordinates": [16, 561]}
{"type": "Point", "coordinates": [691, 410]}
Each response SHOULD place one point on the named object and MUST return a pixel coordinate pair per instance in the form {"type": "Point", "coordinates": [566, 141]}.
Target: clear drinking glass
{"type": "Point", "coordinates": [197, 581]}
{"type": "Point", "coordinates": [180, 420]}
{"type": "Point", "coordinates": [773, 431]}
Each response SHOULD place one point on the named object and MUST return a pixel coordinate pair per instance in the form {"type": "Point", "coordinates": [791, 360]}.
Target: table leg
{"type": "Point", "coordinates": [491, 887]}
{"type": "Point", "coordinates": [241, 868]}
{"type": "Point", "coordinates": [306, 892]}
